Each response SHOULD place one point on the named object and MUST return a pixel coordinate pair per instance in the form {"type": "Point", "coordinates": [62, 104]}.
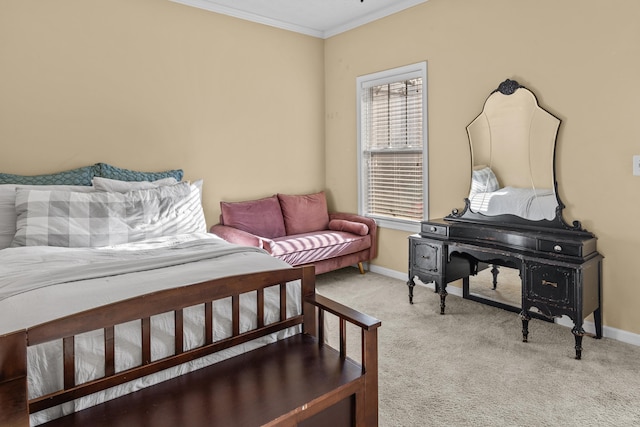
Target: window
{"type": "Point", "coordinates": [392, 146]}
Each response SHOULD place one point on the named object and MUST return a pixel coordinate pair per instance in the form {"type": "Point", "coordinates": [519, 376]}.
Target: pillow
{"type": "Point", "coordinates": [349, 226]}
{"type": "Point", "coordinates": [8, 207]}
{"type": "Point", "coordinates": [106, 184]}
{"type": "Point", "coordinates": [198, 184]}
{"type": "Point", "coordinates": [72, 219]}
{"type": "Point", "coordinates": [80, 176]}
{"type": "Point", "coordinates": [483, 180]}
{"type": "Point", "coordinates": [104, 170]}
{"type": "Point", "coordinates": [304, 213]}
{"type": "Point", "coordinates": [261, 217]}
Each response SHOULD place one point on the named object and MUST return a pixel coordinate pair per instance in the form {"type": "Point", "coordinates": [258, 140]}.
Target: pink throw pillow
{"type": "Point", "coordinates": [304, 213]}
{"type": "Point", "coordinates": [261, 217]}
{"type": "Point", "coordinates": [349, 226]}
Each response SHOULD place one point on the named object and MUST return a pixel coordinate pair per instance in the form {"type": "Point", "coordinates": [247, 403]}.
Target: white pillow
{"type": "Point", "coordinates": [483, 180]}
{"type": "Point", "coordinates": [8, 206]}
{"type": "Point", "coordinates": [198, 184]}
{"type": "Point", "coordinates": [69, 219]}
{"type": "Point", "coordinates": [106, 184]}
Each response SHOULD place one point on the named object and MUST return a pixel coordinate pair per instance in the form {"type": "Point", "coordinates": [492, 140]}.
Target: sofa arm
{"type": "Point", "coordinates": [373, 228]}
{"type": "Point", "coordinates": [237, 236]}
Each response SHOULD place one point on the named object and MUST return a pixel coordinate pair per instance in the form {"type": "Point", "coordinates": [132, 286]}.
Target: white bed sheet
{"type": "Point", "coordinates": [40, 304]}
{"type": "Point", "coordinates": [529, 203]}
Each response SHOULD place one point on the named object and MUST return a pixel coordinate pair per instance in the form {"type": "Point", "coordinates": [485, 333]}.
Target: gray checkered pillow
{"type": "Point", "coordinates": [483, 180]}
{"type": "Point", "coordinates": [69, 219]}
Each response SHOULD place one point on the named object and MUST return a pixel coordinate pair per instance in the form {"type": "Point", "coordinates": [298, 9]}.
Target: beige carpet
{"type": "Point", "coordinates": [471, 368]}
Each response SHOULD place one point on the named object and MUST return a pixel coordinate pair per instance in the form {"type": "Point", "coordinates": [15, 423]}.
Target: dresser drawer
{"type": "Point", "coordinates": [550, 285]}
{"type": "Point", "coordinates": [560, 247]}
{"type": "Point", "coordinates": [426, 256]}
{"type": "Point", "coordinates": [429, 229]}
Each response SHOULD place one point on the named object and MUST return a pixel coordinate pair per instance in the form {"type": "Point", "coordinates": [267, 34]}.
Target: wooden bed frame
{"type": "Point", "coordinates": [295, 381]}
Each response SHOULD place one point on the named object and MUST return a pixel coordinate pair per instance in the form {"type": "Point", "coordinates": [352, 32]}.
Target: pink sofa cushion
{"type": "Point", "coordinates": [261, 217]}
{"type": "Point", "coordinates": [304, 213]}
{"type": "Point", "coordinates": [316, 246]}
{"type": "Point", "coordinates": [349, 226]}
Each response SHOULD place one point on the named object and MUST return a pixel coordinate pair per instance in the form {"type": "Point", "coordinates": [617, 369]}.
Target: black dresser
{"type": "Point", "coordinates": [513, 217]}
{"type": "Point", "coordinates": [560, 272]}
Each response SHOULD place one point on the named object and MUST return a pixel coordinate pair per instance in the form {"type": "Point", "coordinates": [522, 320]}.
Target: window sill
{"type": "Point", "coordinates": [397, 224]}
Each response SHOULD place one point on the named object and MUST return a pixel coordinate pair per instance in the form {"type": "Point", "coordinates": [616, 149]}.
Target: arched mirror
{"type": "Point", "coordinates": [512, 145]}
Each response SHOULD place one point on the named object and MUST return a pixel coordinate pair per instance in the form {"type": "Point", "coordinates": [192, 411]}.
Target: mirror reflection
{"type": "Point", "coordinates": [512, 151]}
{"type": "Point", "coordinates": [505, 289]}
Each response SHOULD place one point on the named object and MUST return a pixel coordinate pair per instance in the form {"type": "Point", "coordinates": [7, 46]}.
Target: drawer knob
{"type": "Point", "coordinates": [433, 229]}
{"type": "Point", "coordinates": [557, 248]}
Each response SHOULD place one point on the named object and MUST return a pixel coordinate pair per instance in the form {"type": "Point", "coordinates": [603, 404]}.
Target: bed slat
{"type": "Point", "coordinates": [179, 331]}
{"type": "Point", "coordinates": [260, 307]}
{"type": "Point", "coordinates": [343, 338]}
{"type": "Point", "coordinates": [68, 349]}
{"type": "Point", "coordinates": [109, 351]}
{"type": "Point", "coordinates": [146, 340]}
{"type": "Point", "coordinates": [283, 301]}
{"type": "Point", "coordinates": [235, 314]}
{"type": "Point", "coordinates": [321, 328]}
{"type": "Point", "coordinates": [208, 322]}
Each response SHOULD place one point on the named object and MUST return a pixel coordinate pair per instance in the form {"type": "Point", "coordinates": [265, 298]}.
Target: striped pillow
{"type": "Point", "coordinates": [69, 219]}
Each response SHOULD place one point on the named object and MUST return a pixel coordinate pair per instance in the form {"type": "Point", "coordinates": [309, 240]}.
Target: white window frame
{"type": "Point", "coordinates": [383, 77]}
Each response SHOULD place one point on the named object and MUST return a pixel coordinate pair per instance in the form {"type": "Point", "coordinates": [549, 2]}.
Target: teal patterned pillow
{"type": "Point", "coordinates": [80, 176]}
{"type": "Point", "coordinates": [104, 170]}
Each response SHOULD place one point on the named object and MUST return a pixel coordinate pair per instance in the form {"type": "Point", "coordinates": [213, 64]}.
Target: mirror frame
{"type": "Point", "coordinates": [558, 223]}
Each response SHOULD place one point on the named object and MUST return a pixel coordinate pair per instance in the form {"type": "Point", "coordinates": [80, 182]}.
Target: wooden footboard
{"type": "Point", "coordinates": [13, 380]}
{"type": "Point", "coordinates": [15, 407]}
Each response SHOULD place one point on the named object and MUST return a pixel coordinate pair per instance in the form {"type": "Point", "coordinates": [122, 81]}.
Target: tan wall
{"type": "Point", "coordinates": [582, 59]}
{"type": "Point", "coordinates": [151, 84]}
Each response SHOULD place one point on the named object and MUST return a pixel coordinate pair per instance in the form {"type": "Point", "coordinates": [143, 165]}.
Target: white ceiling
{"type": "Point", "coordinates": [318, 18]}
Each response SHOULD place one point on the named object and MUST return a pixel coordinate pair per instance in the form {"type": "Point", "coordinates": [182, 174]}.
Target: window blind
{"type": "Point", "coordinates": [392, 149]}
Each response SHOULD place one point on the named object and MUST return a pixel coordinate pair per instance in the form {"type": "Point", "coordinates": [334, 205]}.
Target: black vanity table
{"type": "Point", "coordinates": [559, 266]}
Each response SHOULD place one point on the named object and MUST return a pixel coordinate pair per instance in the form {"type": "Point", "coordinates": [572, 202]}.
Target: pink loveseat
{"type": "Point", "coordinates": [299, 230]}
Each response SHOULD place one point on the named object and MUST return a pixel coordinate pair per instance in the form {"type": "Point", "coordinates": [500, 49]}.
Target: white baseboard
{"type": "Point", "coordinates": [607, 331]}
{"type": "Point", "coordinates": [388, 272]}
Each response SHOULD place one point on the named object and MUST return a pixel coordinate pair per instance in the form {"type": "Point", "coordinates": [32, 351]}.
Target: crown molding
{"type": "Point", "coordinates": [322, 33]}
{"type": "Point", "coordinates": [396, 7]}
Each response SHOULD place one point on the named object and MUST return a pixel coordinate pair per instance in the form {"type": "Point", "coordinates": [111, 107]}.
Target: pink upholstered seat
{"type": "Point", "coordinates": [300, 231]}
{"type": "Point", "coordinates": [316, 246]}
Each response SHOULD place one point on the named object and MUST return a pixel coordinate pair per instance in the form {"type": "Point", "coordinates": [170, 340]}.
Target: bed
{"type": "Point", "coordinates": [78, 247]}
{"type": "Point", "coordinates": [488, 198]}
{"type": "Point", "coordinates": [526, 203]}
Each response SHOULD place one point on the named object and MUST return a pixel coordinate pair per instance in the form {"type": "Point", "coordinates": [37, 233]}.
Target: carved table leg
{"type": "Point", "coordinates": [524, 315]}
{"type": "Point", "coordinates": [494, 272]}
{"type": "Point", "coordinates": [578, 332]}
{"type": "Point", "coordinates": [443, 295]}
{"type": "Point", "coordinates": [410, 284]}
